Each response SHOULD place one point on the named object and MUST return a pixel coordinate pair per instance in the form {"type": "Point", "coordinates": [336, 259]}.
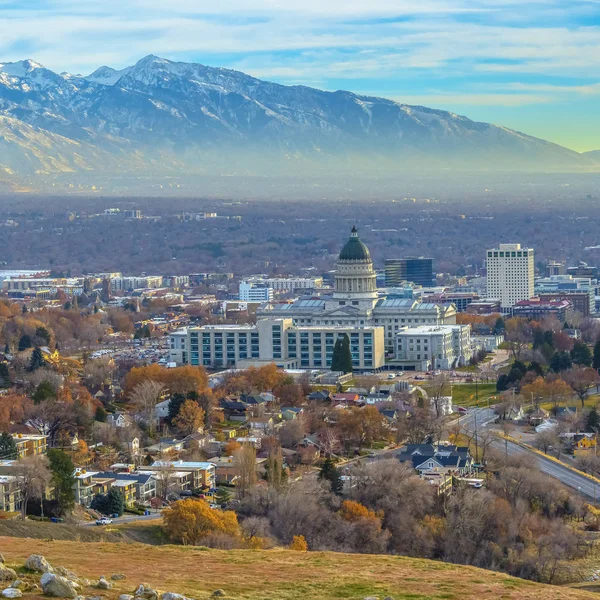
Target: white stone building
{"type": "Point", "coordinates": [510, 274]}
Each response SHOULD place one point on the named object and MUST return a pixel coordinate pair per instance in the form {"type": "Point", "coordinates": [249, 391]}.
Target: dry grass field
{"type": "Point", "coordinates": [277, 574]}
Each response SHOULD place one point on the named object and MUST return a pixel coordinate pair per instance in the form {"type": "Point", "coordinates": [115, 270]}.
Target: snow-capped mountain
{"type": "Point", "coordinates": [161, 116]}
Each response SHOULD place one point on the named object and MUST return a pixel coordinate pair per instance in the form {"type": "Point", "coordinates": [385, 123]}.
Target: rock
{"type": "Point", "coordinates": [389, 598]}
{"type": "Point", "coordinates": [11, 592]}
{"type": "Point", "coordinates": [117, 576]}
{"type": "Point", "coordinates": [146, 592]}
{"type": "Point", "coordinates": [103, 584]}
{"type": "Point", "coordinates": [7, 574]}
{"type": "Point", "coordinates": [172, 596]}
{"type": "Point", "coordinates": [58, 586]}
{"type": "Point", "coordinates": [2, 559]}
{"type": "Point", "coordinates": [65, 573]}
{"type": "Point", "coordinates": [370, 598]}
{"type": "Point", "coordinates": [36, 562]}
{"type": "Point", "coordinates": [125, 597]}
{"type": "Point", "coordinates": [218, 594]}
{"type": "Point", "coordinates": [20, 585]}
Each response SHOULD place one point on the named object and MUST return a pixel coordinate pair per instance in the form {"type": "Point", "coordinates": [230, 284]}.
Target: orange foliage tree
{"type": "Point", "coordinates": [180, 380]}
{"type": "Point", "coordinates": [189, 521]}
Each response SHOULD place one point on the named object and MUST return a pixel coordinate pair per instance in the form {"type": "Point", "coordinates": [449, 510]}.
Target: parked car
{"type": "Point", "coordinates": [104, 521]}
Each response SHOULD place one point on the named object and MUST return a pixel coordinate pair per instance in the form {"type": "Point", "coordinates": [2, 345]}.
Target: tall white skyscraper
{"type": "Point", "coordinates": [510, 274]}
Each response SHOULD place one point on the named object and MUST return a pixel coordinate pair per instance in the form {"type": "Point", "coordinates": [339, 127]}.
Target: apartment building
{"type": "Point", "coordinates": [254, 292]}
{"type": "Point", "coordinates": [29, 444]}
{"type": "Point", "coordinates": [510, 274]}
{"type": "Point", "coordinates": [289, 284]}
{"type": "Point", "coordinates": [127, 284]}
{"type": "Point", "coordinates": [10, 494]}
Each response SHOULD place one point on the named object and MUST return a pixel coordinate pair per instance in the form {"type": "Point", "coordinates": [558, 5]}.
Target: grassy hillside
{"type": "Point", "coordinates": [279, 574]}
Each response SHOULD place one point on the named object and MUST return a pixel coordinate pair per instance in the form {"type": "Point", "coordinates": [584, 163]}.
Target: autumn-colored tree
{"type": "Point", "coordinates": [299, 544]}
{"type": "Point", "coordinates": [355, 511]}
{"type": "Point", "coordinates": [362, 426]}
{"type": "Point", "coordinates": [190, 417]}
{"type": "Point", "coordinates": [13, 409]}
{"type": "Point", "coordinates": [581, 380]}
{"type": "Point", "coordinates": [546, 390]}
{"type": "Point", "coordinates": [189, 521]}
{"type": "Point", "coordinates": [231, 447]}
{"type": "Point", "coordinates": [182, 380]}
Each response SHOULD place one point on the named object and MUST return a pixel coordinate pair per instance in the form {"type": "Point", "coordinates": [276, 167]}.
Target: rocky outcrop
{"type": "Point", "coordinates": [58, 586]}
{"type": "Point", "coordinates": [144, 592]}
{"type": "Point", "coordinates": [37, 563]}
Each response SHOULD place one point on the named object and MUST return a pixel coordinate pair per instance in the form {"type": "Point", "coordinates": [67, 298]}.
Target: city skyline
{"type": "Point", "coordinates": [532, 67]}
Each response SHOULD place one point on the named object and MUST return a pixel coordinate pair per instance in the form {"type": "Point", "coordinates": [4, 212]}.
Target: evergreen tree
{"type": "Point", "coordinates": [499, 326]}
{"type": "Point", "coordinates": [536, 368]}
{"type": "Point", "coordinates": [332, 474]}
{"type": "Point", "coordinates": [335, 358]}
{"type": "Point", "coordinates": [222, 496]}
{"type": "Point", "coordinates": [63, 479]}
{"type": "Point", "coordinates": [345, 357]}
{"type": "Point", "coordinates": [8, 447]}
{"type": "Point", "coordinates": [561, 361]}
{"type": "Point", "coordinates": [592, 421]}
{"type": "Point", "coordinates": [502, 383]}
{"type": "Point", "coordinates": [596, 358]}
{"type": "Point", "coordinates": [111, 503]}
{"type": "Point", "coordinates": [4, 375]}
{"type": "Point", "coordinates": [43, 391]}
{"type": "Point", "coordinates": [67, 305]}
{"type": "Point", "coordinates": [175, 404]}
{"type": "Point", "coordinates": [581, 354]}
{"type": "Point", "coordinates": [7, 349]}
{"type": "Point", "coordinates": [100, 415]}
{"type": "Point", "coordinates": [37, 360]}
{"type": "Point", "coordinates": [24, 309]}
{"type": "Point", "coordinates": [24, 342]}
{"type": "Point", "coordinates": [43, 335]}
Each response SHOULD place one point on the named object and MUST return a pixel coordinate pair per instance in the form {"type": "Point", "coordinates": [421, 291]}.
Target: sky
{"type": "Point", "coordinates": [532, 65]}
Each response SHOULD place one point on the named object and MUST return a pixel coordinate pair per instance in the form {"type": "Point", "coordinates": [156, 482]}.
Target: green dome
{"type": "Point", "coordinates": [354, 248]}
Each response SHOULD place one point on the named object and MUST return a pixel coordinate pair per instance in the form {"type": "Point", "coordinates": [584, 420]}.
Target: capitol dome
{"type": "Point", "coordinates": [354, 249]}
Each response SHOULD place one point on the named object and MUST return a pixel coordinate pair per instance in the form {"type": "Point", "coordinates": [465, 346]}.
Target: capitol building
{"type": "Point", "coordinates": [384, 331]}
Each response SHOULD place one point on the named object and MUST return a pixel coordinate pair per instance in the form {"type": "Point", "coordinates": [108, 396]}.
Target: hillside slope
{"type": "Point", "coordinates": [279, 574]}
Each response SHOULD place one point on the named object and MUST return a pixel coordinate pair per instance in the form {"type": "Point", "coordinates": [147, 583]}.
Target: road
{"type": "Point", "coordinates": [580, 483]}
{"type": "Point", "coordinates": [483, 417]}
{"type": "Point", "coordinates": [124, 520]}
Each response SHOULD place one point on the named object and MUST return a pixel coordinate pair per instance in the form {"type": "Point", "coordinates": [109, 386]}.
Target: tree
{"type": "Point", "coordinates": [43, 391]}
{"type": "Point", "coordinates": [299, 544]}
{"type": "Point", "coordinates": [8, 447]}
{"type": "Point", "coordinates": [331, 473]}
{"type": "Point", "coordinates": [190, 417]}
{"type": "Point", "coordinates": [596, 357]}
{"type": "Point", "coordinates": [581, 379]}
{"type": "Point", "coordinates": [24, 342]}
{"type": "Point", "coordinates": [244, 460]}
{"type": "Point", "coordinates": [191, 521]}
{"type": "Point", "coordinates": [222, 496]}
{"type": "Point", "coordinates": [592, 421]}
{"type": "Point", "coordinates": [111, 503]}
{"type": "Point", "coordinates": [63, 479]}
{"type": "Point", "coordinates": [4, 375]}
{"type": "Point", "coordinates": [275, 473]}
{"type": "Point", "coordinates": [100, 415]}
{"type": "Point", "coordinates": [341, 360]}
{"type": "Point", "coordinates": [581, 354]}
{"type": "Point", "coordinates": [362, 426]}
{"type": "Point", "coordinates": [37, 360]}
{"type": "Point", "coordinates": [561, 361]}
{"type": "Point", "coordinates": [145, 397]}
{"type": "Point", "coordinates": [499, 326]}
{"type": "Point", "coordinates": [175, 403]}
{"type": "Point", "coordinates": [33, 476]}
{"type": "Point", "coordinates": [545, 440]}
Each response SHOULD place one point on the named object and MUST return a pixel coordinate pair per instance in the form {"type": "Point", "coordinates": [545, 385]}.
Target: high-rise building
{"type": "Point", "coordinates": [510, 274]}
{"type": "Point", "coordinates": [415, 270]}
{"type": "Point", "coordinates": [250, 292]}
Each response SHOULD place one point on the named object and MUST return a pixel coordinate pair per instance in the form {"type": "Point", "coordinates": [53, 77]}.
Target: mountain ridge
{"type": "Point", "coordinates": [160, 116]}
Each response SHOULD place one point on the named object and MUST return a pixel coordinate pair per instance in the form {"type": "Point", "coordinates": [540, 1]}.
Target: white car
{"type": "Point", "coordinates": [392, 376]}
{"type": "Point", "coordinates": [104, 521]}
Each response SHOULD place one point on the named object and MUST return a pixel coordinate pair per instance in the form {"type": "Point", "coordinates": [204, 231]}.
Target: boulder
{"type": "Point", "coordinates": [218, 594]}
{"type": "Point", "coordinates": [20, 585]}
{"type": "Point", "coordinates": [66, 573]}
{"type": "Point", "coordinates": [172, 596]}
{"type": "Point", "coordinates": [125, 597]}
{"type": "Point", "coordinates": [117, 576]}
{"type": "Point", "coordinates": [36, 562]}
{"type": "Point", "coordinates": [103, 584]}
{"type": "Point", "coordinates": [58, 586]}
{"type": "Point", "coordinates": [11, 592]}
{"type": "Point", "coordinates": [7, 574]}
{"type": "Point", "coordinates": [145, 592]}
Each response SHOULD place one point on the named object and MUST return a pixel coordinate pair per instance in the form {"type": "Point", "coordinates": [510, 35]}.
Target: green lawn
{"type": "Point", "coordinates": [464, 394]}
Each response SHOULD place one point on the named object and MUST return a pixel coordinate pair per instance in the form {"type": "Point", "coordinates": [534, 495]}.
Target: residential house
{"type": "Point", "coordinates": [537, 417]}
{"type": "Point", "coordinates": [320, 396]}
{"type": "Point", "coordinates": [161, 412]}
{"type": "Point", "coordinates": [347, 399]}
{"type": "Point", "coordinates": [578, 441]}
{"type": "Point", "coordinates": [428, 459]}
{"type": "Point", "coordinates": [167, 446]}
{"type": "Point", "coordinates": [234, 410]}
{"type": "Point", "coordinates": [261, 425]}
{"type": "Point", "coordinates": [227, 470]}
{"type": "Point", "coordinates": [118, 419]}
{"type": "Point", "coordinates": [202, 473]}
{"type": "Point", "coordinates": [289, 413]}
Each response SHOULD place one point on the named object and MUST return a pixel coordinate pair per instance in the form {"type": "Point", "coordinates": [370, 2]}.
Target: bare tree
{"type": "Point", "coordinates": [33, 477]}
{"type": "Point", "coordinates": [438, 389]}
{"type": "Point", "coordinates": [245, 466]}
{"type": "Point", "coordinates": [165, 479]}
{"type": "Point", "coordinates": [545, 440]}
{"type": "Point", "coordinates": [145, 396]}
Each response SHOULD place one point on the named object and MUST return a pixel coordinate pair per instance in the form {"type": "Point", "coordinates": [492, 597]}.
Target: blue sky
{"type": "Point", "coordinates": [531, 65]}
